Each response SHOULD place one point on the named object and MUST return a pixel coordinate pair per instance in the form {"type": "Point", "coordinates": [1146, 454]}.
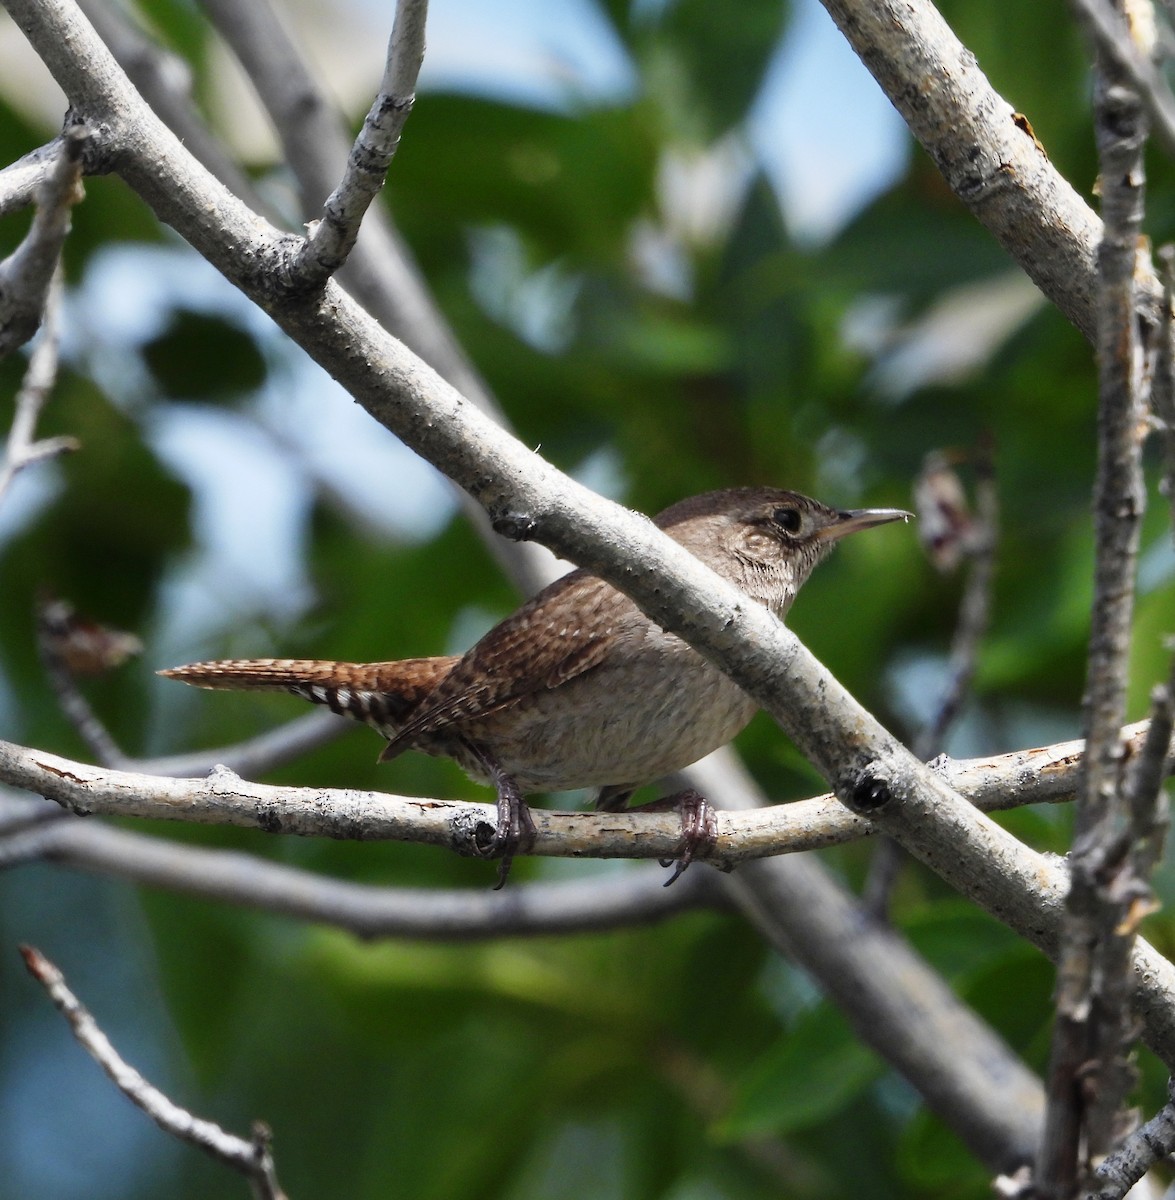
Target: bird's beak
{"type": "Point", "coordinates": [860, 518]}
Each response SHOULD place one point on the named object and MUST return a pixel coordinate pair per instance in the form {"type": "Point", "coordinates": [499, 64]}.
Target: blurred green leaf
{"type": "Point", "coordinates": [812, 1072]}
{"type": "Point", "coordinates": [199, 356]}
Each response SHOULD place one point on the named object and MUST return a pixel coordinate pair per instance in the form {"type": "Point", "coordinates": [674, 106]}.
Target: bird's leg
{"type": "Point", "coordinates": [515, 829]}
{"type": "Point", "coordinates": [699, 822]}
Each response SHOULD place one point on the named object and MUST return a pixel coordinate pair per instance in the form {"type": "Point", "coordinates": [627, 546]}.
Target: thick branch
{"type": "Point", "coordinates": [985, 151]}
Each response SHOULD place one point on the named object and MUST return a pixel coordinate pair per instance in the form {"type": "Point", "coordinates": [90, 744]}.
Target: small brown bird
{"type": "Point", "coordinates": [578, 688]}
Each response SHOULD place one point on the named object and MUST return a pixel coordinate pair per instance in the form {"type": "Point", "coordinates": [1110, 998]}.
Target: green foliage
{"type": "Point", "coordinates": [202, 357]}
{"type": "Point", "coordinates": [662, 1062]}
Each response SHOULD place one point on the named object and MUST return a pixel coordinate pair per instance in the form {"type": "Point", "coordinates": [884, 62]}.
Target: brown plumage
{"type": "Point", "coordinates": [578, 688]}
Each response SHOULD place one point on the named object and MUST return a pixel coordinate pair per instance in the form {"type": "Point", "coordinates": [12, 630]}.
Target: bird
{"type": "Point", "coordinates": [578, 688]}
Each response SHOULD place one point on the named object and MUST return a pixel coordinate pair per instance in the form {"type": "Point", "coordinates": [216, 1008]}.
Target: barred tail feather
{"type": "Point", "coordinates": [380, 694]}
{"type": "Point", "coordinates": [256, 674]}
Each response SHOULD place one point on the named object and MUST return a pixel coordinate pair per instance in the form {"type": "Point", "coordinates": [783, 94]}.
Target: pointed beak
{"type": "Point", "coordinates": [854, 519]}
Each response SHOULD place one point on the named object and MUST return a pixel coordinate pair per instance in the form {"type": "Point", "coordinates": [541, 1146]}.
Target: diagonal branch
{"type": "Point", "coordinates": [252, 1158]}
{"type": "Point", "coordinates": [331, 238]}
{"type": "Point", "coordinates": [382, 275]}
{"type": "Point", "coordinates": [985, 151]}
{"type": "Point", "coordinates": [1111, 32]}
{"type": "Point", "coordinates": [23, 449]}
{"type": "Point", "coordinates": [26, 274]}
{"type": "Point", "coordinates": [232, 877]}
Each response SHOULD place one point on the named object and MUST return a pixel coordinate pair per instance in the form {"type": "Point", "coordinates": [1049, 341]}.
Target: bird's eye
{"type": "Point", "coordinates": [788, 519]}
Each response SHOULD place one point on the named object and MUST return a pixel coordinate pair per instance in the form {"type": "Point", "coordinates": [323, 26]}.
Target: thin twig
{"type": "Point", "coordinates": [26, 274]}
{"type": "Point", "coordinates": [252, 1157]}
{"type": "Point", "coordinates": [974, 610]}
{"type": "Point", "coordinates": [20, 181]}
{"type": "Point", "coordinates": [1115, 39]}
{"type": "Point", "coordinates": [940, 500]}
{"type": "Point", "coordinates": [383, 276]}
{"type": "Point", "coordinates": [1119, 1171]}
{"type": "Point", "coordinates": [331, 238]}
{"type": "Point", "coordinates": [1145, 798]}
{"type": "Point", "coordinates": [22, 449]}
{"type": "Point", "coordinates": [1163, 387]}
{"type": "Point", "coordinates": [52, 615]}
{"type": "Point", "coordinates": [253, 756]}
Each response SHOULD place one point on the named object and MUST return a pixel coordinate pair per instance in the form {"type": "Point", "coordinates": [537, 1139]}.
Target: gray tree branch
{"type": "Point", "coordinates": [1090, 1074]}
{"type": "Point", "coordinates": [1044, 775]}
{"type": "Point", "coordinates": [986, 152]}
{"type": "Point", "coordinates": [331, 238]}
{"type": "Point", "coordinates": [26, 274]}
{"type": "Point", "coordinates": [252, 1157]}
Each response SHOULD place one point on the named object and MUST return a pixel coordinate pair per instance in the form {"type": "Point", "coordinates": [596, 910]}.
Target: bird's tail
{"type": "Point", "coordinates": [380, 694]}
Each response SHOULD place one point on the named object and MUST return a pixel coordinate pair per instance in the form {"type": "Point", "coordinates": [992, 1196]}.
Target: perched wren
{"type": "Point", "coordinates": [578, 688]}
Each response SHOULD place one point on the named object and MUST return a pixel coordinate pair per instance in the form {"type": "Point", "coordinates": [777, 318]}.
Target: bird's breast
{"type": "Point", "coordinates": [631, 720]}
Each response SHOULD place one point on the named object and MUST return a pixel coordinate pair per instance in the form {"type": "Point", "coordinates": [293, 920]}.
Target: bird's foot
{"type": "Point", "coordinates": [699, 830]}
{"type": "Point", "coordinates": [699, 822]}
{"type": "Point", "coordinates": [515, 829]}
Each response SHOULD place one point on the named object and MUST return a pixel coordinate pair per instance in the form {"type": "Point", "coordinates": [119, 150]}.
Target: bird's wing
{"type": "Point", "coordinates": [567, 629]}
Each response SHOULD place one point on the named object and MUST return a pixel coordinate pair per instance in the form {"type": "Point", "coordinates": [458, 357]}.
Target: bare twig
{"type": "Point", "coordinates": [1111, 30]}
{"type": "Point", "coordinates": [1045, 775]}
{"type": "Point", "coordinates": [25, 275]}
{"type": "Point", "coordinates": [255, 755]}
{"type": "Point", "coordinates": [56, 622]}
{"type": "Point", "coordinates": [970, 538]}
{"type": "Point", "coordinates": [434, 914]}
{"type": "Point", "coordinates": [1116, 1174]}
{"type": "Point", "coordinates": [252, 1158]}
{"type": "Point", "coordinates": [21, 180]}
{"type": "Point", "coordinates": [23, 449]}
{"type": "Point", "coordinates": [1145, 798]}
{"type": "Point", "coordinates": [1163, 387]}
{"type": "Point", "coordinates": [382, 275]}
{"type": "Point", "coordinates": [331, 238]}
{"type": "Point", "coordinates": [974, 609]}
{"type": "Point", "coordinates": [1090, 1073]}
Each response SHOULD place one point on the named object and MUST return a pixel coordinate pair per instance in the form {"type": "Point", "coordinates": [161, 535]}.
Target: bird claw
{"type": "Point", "coordinates": [699, 830]}
{"type": "Point", "coordinates": [515, 829]}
